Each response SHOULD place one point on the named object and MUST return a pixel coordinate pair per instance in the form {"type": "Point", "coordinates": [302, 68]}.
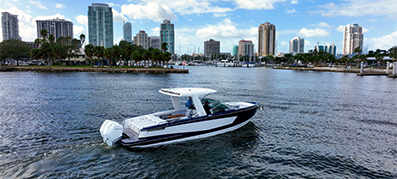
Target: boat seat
{"type": "Point", "coordinates": [175, 115]}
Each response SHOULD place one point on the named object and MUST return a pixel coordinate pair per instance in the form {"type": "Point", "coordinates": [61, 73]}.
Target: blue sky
{"type": "Point", "coordinates": [227, 21]}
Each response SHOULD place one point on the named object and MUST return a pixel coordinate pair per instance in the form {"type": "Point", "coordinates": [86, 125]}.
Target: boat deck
{"type": "Point", "coordinates": [132, 136]}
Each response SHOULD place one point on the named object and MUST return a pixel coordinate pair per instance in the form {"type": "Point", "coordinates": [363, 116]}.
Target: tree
{"type": "Point", "coordinates": [117, 53]}
{"type": "Point", "coordinates": [109, 54]}
{"type": "Point", "coordinates": [98, 52]}
{"type": "Point", "coordinates": [14, 49]}
{"type": "Point", "coordinates": [379, 58]}
{"type": "Point", "coordinates": [136, 56]}
{"type": "Point", "coordinates": [35, 54]}
{"type": "Point", "coordinates": [82, 39]}
{"type": "Point", "coordinates": [71, 45]}
{"type": "Point", "coordinates": [156, 56]}
{"type": "Point", "coordinates": [89, 52]}
{"type": "Point", "coordinates": [59, 51]}
{"type": "Point", "coordinates": [393, 53]}
{"type": "Point", "coordinates": [164, 46]}
{"type": "Point", "coordinates": [146, 56]}
{"type": "Point", "coordinates": [166, 57]}
{"type": "Point", "coordinates": [44, 33]}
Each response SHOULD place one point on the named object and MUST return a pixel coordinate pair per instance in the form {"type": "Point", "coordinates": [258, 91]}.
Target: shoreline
{"type": "Point", "coordinates": [103, 70]}
{"type": "Point", "coordinates": [366, 71]}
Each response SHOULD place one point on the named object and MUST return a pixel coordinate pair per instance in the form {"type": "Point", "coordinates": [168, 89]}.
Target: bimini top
{"type": "Point", "coordinates": [179, 92]}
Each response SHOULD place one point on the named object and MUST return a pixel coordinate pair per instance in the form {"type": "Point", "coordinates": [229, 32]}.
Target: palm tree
{"type": "Point", "coordinates": [98, 52]}
{"type": "Point", "coordinates": [136, 56]}
{"type": "Point", "coordinates": [44, 33]}
{"type": "Point", "coordinates": [164, 46]}
{"type": "Point", "coordinates": [393, 53]}
{"type": "Point", "coordinates": [128, 49]}
{"type": "Point", "coordinates": [59, 51]}
{"type": "Point", "coordinates": [116, 53]}
{"type": "Point", "coordinates": [166, 58]}
{"type": "Point", "coordinates": [82, 39]}
{"type": "Point", "coordinates": [89, 52]}
{"type": "Point", "coordinates": [109, 54]}
{"type": "Point", "coordinates": [379, 58]}
{"type": "Point", "coordinates": [156, 56]}
{"type": "Point", "coordinates": [146, 56]}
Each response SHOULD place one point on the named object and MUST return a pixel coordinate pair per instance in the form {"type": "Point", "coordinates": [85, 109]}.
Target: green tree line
{"type": "Point", "coordinates": [54, 51]}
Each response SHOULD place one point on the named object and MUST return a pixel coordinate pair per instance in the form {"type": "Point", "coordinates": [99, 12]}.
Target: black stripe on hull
{"type": "Point", "coordinates": [242, 116]}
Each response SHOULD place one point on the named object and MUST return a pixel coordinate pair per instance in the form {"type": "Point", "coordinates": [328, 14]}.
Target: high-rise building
{"type": "Point", "coordinates": [211, 47]}
{"type": "Point", "coordinates": [9, 24]}
{"type": "Point", "coordinates": [57, 27]}
{"type": "Point", "coordinates": [329, 48]}
{"type": "Point", "coordinates": [246, 49]}
{"type": "Point", "coordinates": [167, 34]}
{"type": "Point", "coordinates": [142, 39]}
{"type": "Point", "coordinates": [155, 42]}
{"type": "Point", "coordinates": [296, 45]}
{"type": "Point", "coordinates": [352, 38]}
{"type": "Point", "coordinates": [127, 32]}
{"type": "Point", "coordinates": [100, 25]}
{"type": "Point", "coordinates": [235, 51]}
{"type": "Point", "coordinates": [266, 39]}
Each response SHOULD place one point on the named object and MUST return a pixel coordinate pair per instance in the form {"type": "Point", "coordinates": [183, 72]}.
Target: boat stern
{"type": "Point", "coordinates": [111, 132]}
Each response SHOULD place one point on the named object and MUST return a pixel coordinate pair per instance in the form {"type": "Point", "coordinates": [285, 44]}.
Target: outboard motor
{"type": "Point", "coordinates": [111, 132]}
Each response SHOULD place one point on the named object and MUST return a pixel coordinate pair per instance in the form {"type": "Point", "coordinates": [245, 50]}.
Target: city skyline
{"type": "Point", "coordinates": [227, 21]}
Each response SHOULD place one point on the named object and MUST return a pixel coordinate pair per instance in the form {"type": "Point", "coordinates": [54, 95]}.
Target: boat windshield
{"type": "Point", "coordinates": [216, 105]}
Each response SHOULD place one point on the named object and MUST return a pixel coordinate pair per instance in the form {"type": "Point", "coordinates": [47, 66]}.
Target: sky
{"type": "Point", "coordinates": [227, 21]}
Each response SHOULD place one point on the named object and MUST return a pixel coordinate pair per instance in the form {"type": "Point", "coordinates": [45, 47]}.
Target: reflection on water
{"type": "Point", "coordinates": [313, 124]}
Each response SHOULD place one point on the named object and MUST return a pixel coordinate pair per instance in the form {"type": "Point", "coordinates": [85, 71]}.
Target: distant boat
{"type": "Point", "coordinates": [226, 63]}
{"type": "Point", "coordinates": [179, 124]}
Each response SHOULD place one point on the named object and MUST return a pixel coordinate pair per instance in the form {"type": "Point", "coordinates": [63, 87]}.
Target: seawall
{"type": "Point", "coordinates": [106, 70]}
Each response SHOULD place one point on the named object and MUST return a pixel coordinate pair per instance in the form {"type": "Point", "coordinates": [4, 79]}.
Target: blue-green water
{"type": "Point", "coordinates": [312, 125]}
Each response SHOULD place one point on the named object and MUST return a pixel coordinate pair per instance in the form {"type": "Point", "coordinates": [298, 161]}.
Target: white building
{"type": "Point", "coordinates": [10, 27]}
{"type": "Point", "coordinates": [142, 39]}
{"type": "Point", "coordinates": [352, 38]}
{"type": "Point", "coordinates": [296, 45]}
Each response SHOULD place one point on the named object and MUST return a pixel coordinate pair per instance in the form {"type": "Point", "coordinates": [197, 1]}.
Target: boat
{"type": "Point", "coordinates": [179, 123]}
{"type": "Point", "coordinates": [226, 63]}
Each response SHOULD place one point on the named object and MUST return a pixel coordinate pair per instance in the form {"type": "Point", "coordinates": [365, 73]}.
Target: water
{"type": "Point", "coordinates": [312, 125]}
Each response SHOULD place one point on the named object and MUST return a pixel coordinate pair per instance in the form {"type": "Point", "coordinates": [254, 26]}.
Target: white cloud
{"type": "Point", "coordinates": [256, 4]}
{"type": "Point", "coordinates": [81, 19]}
{"type": "Point", "coordinates": [155, 31]}
{"type": "Point", "coordinates": [151, 11]}
{"type": "Point", "coordinates": [384, 42]}
{"type": "Point", "coordinates": [365, 30]}
{"type": "Point", "coordinates": [58, 5]}
{"type": "Point", "coordinates": [284, 43]}
{"type": "Point", "coordinates": [220, 15]}
{"type": "Point", "coordinates": [38, 4]}
{"type": "Point", "coordinates": [118, 17]}
{"type": "Point", "coordinates": [323, 24]}
{"type": "Point", "coordinates": [359, 8]}
{"type": "Point", "coordinates": [78, 30]}
{"type": "Point", "coordinates": [317, 32]}
{"type": "Point", "coordinates": [341, 28]}
{"type": "Point", "coordinates": [290, 11]}
{"type": "Point", "coordinates": [226, 29]}
{"type": "Point", "coordinates": [294, 2]}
